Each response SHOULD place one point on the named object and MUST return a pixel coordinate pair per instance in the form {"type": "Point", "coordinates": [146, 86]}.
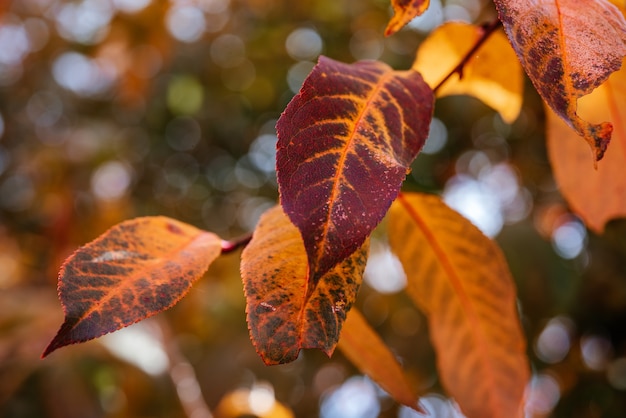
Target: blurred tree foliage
{"type": "Point", "coordinates": [111, 109]}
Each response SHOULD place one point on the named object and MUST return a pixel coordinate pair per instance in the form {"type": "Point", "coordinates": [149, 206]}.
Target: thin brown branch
{"type": "Point", "coordinates": [230, 246]}
{"type": "Point", "coordinates": [488, 29]}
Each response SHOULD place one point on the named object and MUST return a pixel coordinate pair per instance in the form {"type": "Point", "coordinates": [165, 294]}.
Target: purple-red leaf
{"type": "Point", "coordinates": [286, 312]}
{"type": "Point", "coordinates": [134, 270]}
{"type": "Point", "coordinates": [346, 142]}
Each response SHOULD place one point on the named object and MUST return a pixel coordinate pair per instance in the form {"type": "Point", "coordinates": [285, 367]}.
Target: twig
{"type": "Point", "coordinates": [488, 29]}
{"type": "Point", "coordinates": [230, 246]}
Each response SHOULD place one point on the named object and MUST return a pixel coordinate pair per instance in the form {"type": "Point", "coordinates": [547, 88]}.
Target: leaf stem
{"type": "Point", "coordinates": [230, 246]}
{"type": "Point", "coordinates": [488, 29]}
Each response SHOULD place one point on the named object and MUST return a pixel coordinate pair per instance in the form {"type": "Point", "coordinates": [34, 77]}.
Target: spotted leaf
{"type": "Point", "coordinates": [567, 48]}
{"type": "Point", "coordinates": [404, 11]}
{"type": "Point", "coordinates": [345, 144]}
{"type": "Point", "coordinates": [597, 196]}
{"type": "Point", "coordinates": [134, 270]}
{"type": "Point", "coordinates": [285, 311]}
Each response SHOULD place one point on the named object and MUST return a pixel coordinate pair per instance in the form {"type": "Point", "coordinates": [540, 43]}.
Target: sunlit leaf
{"type": "Point", "coordinates": [597, 196]}
{"type": "Point", "coordinates": [405, 11]}
{"type": "Point", "coordinates": [346, 142]}
{"type": "Point", "coordinates": [287, 312]}
{"type": "Point", "coordinates": [568, 48]}
{"type": "Point", "coordinates": [493, 74]}
{"type": "Point", "coordinates": [134, 270]}
{"type": "Point", "coordinates": [460, 279]}
{"type": "Point", "coordinates": [365, 349]}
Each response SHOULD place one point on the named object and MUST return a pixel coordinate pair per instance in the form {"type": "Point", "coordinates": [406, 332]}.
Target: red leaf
{"type": "Point", "coordinates": [134, 270]}
{"type": "Point", "coordinates": [568, 48]}
{"type": "Point", "coordinates": [404, 11]}
{"type": "Point", "coordinates": [346, 142]}
{"type": "Point", "coordinates": [286, 312]}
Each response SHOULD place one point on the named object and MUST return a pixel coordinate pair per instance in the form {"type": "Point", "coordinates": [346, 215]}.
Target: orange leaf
{"type": "Point", "coordinates": [134, 270]}
{"type": "Point", "coordinates": [345, 144]}
{"type": "Point", "coordinates": [404, 11]}
{"type": "Point", "coordinates": [460, 279]}
{"type": "Point", "coordinates": [285, 311]}
{"type": "Point", "coordinates": [492, 75]}
{"type": "Point", "coordinates": [364, 348]}
{"type": "Point", "coordinates": [595, 195]}
{"type": "Point", "coordinates": [568, 48]}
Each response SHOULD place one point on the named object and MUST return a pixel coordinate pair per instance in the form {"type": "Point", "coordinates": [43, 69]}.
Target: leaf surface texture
{"type": "Point", "coordinates": [134, 270]}
{"type": "Point", "coordinates": [285, 310]}
{"type": "Point", "coordinates": [567, 48]}
{"type": "Point", "coordinates": [597, 196]}
{"type": "Point", "coordinates": [345, 144]}
{"type": "Point", "coordinates": [459, 278]}
{"type": "Point", "coordinates": [405, 11]}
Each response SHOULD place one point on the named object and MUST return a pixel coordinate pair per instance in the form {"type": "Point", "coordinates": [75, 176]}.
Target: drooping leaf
{"type": "Point", "coordinates": [405, 11]}
{"type": "Point", "coordinates": [597, 196]}
{"type": "Point", "coordinates": [460, 279]}
{"type": "Point", "coordinates": [567, 48]}
{"type": "Point", "coordinates": [365, 349]}
{"type": "Point", "coordinates": [492, 75]}
{"type": "Point", "coordinates": [345, 144]}
{"type": "Point", "coordinates": [285, 310]}
{"type": "Point", "coordinates": [134, 270]}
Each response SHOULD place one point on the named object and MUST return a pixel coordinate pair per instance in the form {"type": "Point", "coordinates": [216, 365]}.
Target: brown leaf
{"type": "Point", "coordinates": [493, 74]}
{"type": "Point", "coordinates": [460, 279]}
{"type": "Point", "coordinates": [568, 48]}
{"type": "Point", "coordinates": [364, 348]}
{"type": "Point", "coordinates": [405, 11]}
{"type": "Point", "coordinates": [134, 270]}
{"type": "Point", "coordinates": [597, 196]}
{"type": "Point", "coordinates": [285, 310]}
{"type": "Point", "coordinates": [345, 144]}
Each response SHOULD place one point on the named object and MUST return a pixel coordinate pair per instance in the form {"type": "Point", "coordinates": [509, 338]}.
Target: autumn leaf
{"type": "Point", "coordinates": [134, 270]}
{"type": "Point", "coordinates": [493, 74]}
{"type": "Point", "coordinates": [365, 349]}
{"type": "Point", "coordinates": [285, 310]}
{"type": "Point", "coordinates": [567, 48]}
{"type": "Point", "coordinates": [597, 196]}
{"type": "Point", "coordinates": [346, 142]}
{"type": "Point", "coordinates": [405, 11]}
{"type": "Point", "coordinates": [459, 278]}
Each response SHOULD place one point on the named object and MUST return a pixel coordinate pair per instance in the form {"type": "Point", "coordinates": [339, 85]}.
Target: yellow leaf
{"type": "Point", "coordinates": [493, 74]}
{"type": "Point", "coordinates": [364, 348]}
{"type": "Point", "coordinates": [595, 195]}
{"type": "Point", "coordinates": [460, 279]}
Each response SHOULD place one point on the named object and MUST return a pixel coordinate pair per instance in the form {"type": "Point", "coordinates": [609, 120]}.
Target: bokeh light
{"type": "Point", "coordinates": [554, 341]}
{"type": "Point", "coordinates": [596, 351]}
{"type": "Point", "coordinates": [569, 239]}
{"type": "Point", "coordinates": [355, 398]}
{"type": "Point", "coordinates": [384, 271]}
{"type": "Point", "coordinates": [304, 44]}
{"type": "Point", "coordinates": [542, 395]}
{"type": "Point", "coordinates": [140, 345]}
{"type": "Point", "coordinates": [186, 23]}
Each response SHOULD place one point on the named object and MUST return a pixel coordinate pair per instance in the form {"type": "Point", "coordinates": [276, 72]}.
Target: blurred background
{"type": "Point", "coordinates": [111, 109]}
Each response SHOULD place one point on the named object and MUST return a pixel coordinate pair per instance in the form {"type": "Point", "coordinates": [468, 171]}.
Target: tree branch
{"type": "Point", "coordinates": [230, 246]}
{"type": "Point", "coordinates": [488, 29]}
